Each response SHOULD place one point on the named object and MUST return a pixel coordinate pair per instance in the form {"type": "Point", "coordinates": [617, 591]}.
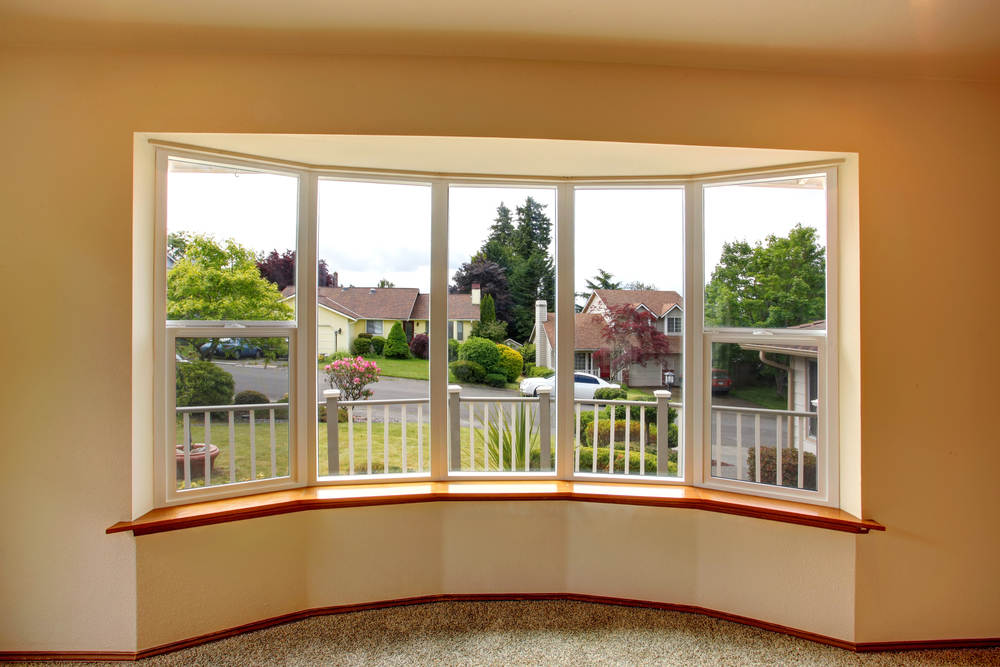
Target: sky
{"type": "Point", "coordinates": [371, 231]}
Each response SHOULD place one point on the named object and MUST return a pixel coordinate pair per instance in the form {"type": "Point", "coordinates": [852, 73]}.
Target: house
{"type": "Point", "coordinates": [666, 307]}
{"type": "Point", "coordinates": [908, 96]}
{"type": "Point", "coordinates": [345, 312]}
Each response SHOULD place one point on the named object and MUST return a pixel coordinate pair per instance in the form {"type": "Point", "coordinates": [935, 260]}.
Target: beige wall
{"type": "Point", "coordinates": [928, 234]}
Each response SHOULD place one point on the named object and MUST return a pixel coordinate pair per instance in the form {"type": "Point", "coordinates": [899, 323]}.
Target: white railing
{"type": "Point", "coordinates": [661, 446]}
{"type": "Point", "coordinates": [503, 432]}
{"type": "Point", "coordinates": [209, 451]}
{"type": "Point", "coordinates": [747, 442]}
{"type": "Point", "coordinates": [372, 412]}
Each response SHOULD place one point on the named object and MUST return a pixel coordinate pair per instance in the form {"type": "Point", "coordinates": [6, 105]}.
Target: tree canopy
{"type": "Point", "coordinates": [279, 268]}
{"type": "Point", "coordinates": [603, 280]}
{"type": "Point", "coordinates": [776, 284]}
{"type": "Point", "coordinates": [630, 337]}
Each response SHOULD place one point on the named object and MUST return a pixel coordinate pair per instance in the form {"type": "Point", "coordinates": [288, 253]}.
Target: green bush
{"type": "Point", "coordinates": [396, 345]}
{"type": "Point", "coordinates": [480, 350]}
{"type": "Point", "coordinates": [203, 383]}
{"type": "Point", "coordinates": [468, 371]}
{"type": "Point", "coordinates": [496, 380]}
{"type": "Point", "coordinates": [453, 347]}
{"type": "Point", "coordinates": [341, 414]}
{"type": "Point", "coordinates": [365, 334]}
{"type": "Point", "coordinates": [528, 353]}
{"type": "Point", "coordinates": [250, 397]}
{"type": "Point", "coordinates": [378, 344]}
{"type": "Point", "coordinates": [541, 372]}
{"type": "Point", "coordinates": [361, 346]}
{"type": "Point", "coordinates": [608, 394]}
{"type": "Point", "coordinates": [279, 413]}
{"type": "Point", "coordinates": [495, 330]}
{"type": "Point", "coordinates": [510, 364]}
{"type": "Point", "coordinates": [634, 458]}
{"type": "Point", "coordinates": [789, 467]}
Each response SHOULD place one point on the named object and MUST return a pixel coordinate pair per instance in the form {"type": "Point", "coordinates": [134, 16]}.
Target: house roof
{"type": "Point", "coordinates": [587, 330]}
{"type": "Point", "coordinates": [658, 301]}
{"type": "Point", "coordinates": [460, 307]}
{"type": "Point", "coordinates": [388, 303]}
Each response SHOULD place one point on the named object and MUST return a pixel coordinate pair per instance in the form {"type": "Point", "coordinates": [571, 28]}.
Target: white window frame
{"type": "Point", "coordinates": [302, 333]}
{"type": "Point", "coordinates": [680, 324]}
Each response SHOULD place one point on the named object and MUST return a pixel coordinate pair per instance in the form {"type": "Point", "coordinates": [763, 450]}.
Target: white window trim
{"type": "Point", "coordinates": [302, 389]}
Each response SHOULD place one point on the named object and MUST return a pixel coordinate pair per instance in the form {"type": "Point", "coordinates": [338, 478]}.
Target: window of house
{"type": "Point", "coordinates": [268, 272]}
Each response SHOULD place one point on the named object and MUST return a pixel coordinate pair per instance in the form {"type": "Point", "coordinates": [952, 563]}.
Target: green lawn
{"type": "Point", "coordinates": [765, 397]}
{"type": "Point", "coordinates": [413, 368]}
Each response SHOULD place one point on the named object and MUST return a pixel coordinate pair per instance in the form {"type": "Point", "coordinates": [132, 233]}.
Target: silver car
{"type": "Point", "coordinates": [584, 385]}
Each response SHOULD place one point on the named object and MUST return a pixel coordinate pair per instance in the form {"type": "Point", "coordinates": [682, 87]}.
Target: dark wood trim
{"type": "Point", "coordinates": [866, 647]}
{"type": "Point", "coordinates": [366, 495]}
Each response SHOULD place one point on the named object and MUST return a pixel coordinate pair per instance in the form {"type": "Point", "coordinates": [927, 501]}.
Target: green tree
{"type": "Point", "coordinates": [776, 284]}
{"type": "Point", "coordinates": [500, 243]}
{"type": "Point", "coordinates": [213, 281]}
{"type": "Point", "coordinates": [533, 232]}
{"type": "Point", "coordinates": [384, 282]}
{"type": "Point", "coordinates": [603, 280]}
{"type": "Point", "coordinates": [488, 326]}
{"type": "Point", "coordinates": [533, 279]}
{"type": "Point", "coordinates": [396, 346]}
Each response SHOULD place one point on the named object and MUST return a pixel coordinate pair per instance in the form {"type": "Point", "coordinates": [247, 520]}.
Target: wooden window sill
{"type": "Point", "coordinates": [363, 495]}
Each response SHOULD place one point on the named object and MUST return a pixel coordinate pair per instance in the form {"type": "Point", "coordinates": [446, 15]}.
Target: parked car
{"type": "Point", "coordinates": [234, 348]}
{"type": "Point", "coordinates": [584, 385]}
{"type": "Point", "coordinates": [721, 383]}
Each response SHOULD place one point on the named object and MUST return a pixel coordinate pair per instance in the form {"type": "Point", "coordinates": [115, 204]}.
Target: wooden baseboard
{"type": "Point", "coordinates": [863, 647]}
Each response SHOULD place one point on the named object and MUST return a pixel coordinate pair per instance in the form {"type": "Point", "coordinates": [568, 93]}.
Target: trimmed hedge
{"type": "Point", "coordinates": [511, 363]}
{"type": "Point", "coordinates": [396, 346]}
{"type": "Point", "coordinates": [541, 372]}
{"type": "Point", "coordinates": [608, 394]}
{"type": "Point", "coordinates": [453, 347]}
{"type": "Point", "coordinates": [496, 380]}
{"type": "Point", "coordinates": [341, 414]}
{"type": "Point", "coordinates": [378, 344]}
{"type": "Point", "coordinates": [480, 350]}
{"type": "Point", "coordinates": [361, 346]}
{"type": "Point", "coordinates": [250, 397]}
{"type": "Point", "coordinates": [418, 346]}
{"type": "Point", "coordinates": [468, 371]}
{"type": "Point", "coordinates": [603, 453]}
{"type": "Point", "coordinates": [789, 467]}
{"type": "Point", "coordinates": [203, 383]}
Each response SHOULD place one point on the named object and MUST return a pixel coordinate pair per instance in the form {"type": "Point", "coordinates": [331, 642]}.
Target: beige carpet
{"type": "Point", "coordinates": [534, 633]}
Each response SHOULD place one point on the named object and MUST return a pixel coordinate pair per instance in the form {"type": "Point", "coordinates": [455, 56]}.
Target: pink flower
{"type": "Point", "coordinates": [327, 367]}
{"type": "Point", "coordinates": [356, 381]}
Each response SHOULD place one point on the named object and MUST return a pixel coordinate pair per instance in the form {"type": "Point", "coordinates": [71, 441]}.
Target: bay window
{"type": "Point", "coordinates": [296, 302]}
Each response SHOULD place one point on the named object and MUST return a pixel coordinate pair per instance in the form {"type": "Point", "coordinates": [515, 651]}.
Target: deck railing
{"type": "Point", "coordinates": [373, 412]}
{"type": "Point", "coordinates": [206, 456]}
{"type": "Point", "coordinates": [765, 446]}
{"type": "Point", "coordinates": [503, 434]}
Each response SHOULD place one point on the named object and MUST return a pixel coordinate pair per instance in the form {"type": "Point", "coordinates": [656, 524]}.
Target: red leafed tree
{"type": "Point", "coordinates": [279, 268]}
{"type": "Point", "coordinates": [630, 337]}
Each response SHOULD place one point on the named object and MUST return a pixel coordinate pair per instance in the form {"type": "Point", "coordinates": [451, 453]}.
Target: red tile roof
{"type": "Point", "coordinates": [658, 301]}
{"type": "Point", "coordinates": [388, 303]}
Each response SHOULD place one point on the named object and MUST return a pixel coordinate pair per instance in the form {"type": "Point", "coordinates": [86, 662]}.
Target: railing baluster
{"type": "Point", "coordinates": [777, 453]}
{"type": "Point", "coordinates": [368, 419]}
{"type": "Point", "coordinates": [577, 435]}
{"type": "Point", "coordinates": [801, 448]}
{"type": "Point", "coordinates": [628, 436]}
{"type": "Point", "coordinates": [253, 447]}
{"type": "Point", "coordinates": [420, 437]}
{"type": "Point", "coordinates": [739, 445]}
{"type": "Point", "coordinates": [350, 437]}
{"type": "Point", "coordinates": [611, 439]}
{"type": "Point", "coordinates": [642, 439]}
{"type": "Point", "coordinates": [402, 419]}
{"type": "Point", "coordinates": [208, 449]}
{"type": "Point", "coordinates": [232, 446]}
{"type": "Point", "coordinates": [486, 435]}
{"type": "Point", "coordinates": [718, 443]}
{"type": "Point", "coordinates": [593, 456]}
{"type": "Point", "coordinates": [513, 439]}
{"type": "Point", "coordinates": [274, 446]}
{"type": "Point", "coordinates": [385, 439]}
{"type": "Point", "coordinates": [187, 450]}
{"type": "Point", "coordinates": [756, 446]}
{"type": "Point", "coordinates": [472, 437]}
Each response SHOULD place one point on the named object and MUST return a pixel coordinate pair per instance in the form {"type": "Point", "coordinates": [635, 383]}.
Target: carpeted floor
{"type": "Point", "coordinates": [534, 633]}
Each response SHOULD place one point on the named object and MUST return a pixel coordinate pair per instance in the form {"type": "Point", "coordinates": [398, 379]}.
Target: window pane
{"type": "Point", "coordinates": [374, 242]}
{"type": "Point", "coordinates": [230, 243]}
{"type": "Point", "coordinates": [765, 254]}
{"type": "Point", "coordinates": [762, 414]}
{"type": "Point", "coordinates": [629, 288]}
{"type": "Point", "coordinates": [501, 306]}
{"type": "Point", "coordinates": [246, 434]}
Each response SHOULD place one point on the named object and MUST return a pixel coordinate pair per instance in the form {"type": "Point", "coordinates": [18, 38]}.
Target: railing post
{"type": "Point", "coordinates": [662, 431]}
{"type": "Point", "coordinates": [455, 426]}
{"type": "Point", "coordinates": [332, 397]}
{"type": "Point", "coordinates": [545, 428]}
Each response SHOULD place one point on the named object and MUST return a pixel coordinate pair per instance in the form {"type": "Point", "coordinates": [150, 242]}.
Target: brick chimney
{"type": "Point", "coordinates": [475, 294]}
{"type": "Point", "coordinates": [335, 280]}
{"type": "Point", "coordinates": [543, 352]}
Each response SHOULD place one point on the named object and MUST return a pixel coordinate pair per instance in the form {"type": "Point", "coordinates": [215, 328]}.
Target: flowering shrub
{"type": "Point", "coordinates": [352, 376]}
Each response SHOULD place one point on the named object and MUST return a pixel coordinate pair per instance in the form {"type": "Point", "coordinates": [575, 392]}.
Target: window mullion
{"type": "Point", "coordinates": [565, 322]}
{"type": "Point", "coordinates": [439, 331]}
{"type": "Point", "coordinates": [304, 468]}
{"type": "Point", "coordinates": [694, 344]}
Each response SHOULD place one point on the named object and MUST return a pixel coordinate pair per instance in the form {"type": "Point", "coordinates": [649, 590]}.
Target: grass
{"type": "Point", "coordinates": [412, 368]}
{"type": "Point", "coordinates": [765, 397]}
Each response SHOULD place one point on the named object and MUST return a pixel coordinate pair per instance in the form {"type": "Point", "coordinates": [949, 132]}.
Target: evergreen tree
{"type": "Point", "coordinates": [396, 346]}
{"type": "Point", "coordinates": [533, 279]}
{"type": "Point", "coordinates": [603, 280]}
{"type": "Point", "coordinates": [534, 230]}
{"type": "Point", "coordinates": [487, 312]}
{"type": "Point", "coordinates": [498, 247]}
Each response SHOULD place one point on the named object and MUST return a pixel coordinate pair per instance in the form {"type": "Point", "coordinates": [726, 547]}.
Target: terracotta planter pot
{"type": "Point", "coordinates": [197, 460]}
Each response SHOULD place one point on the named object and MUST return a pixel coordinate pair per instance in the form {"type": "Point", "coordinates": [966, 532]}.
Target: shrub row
{"type": "Point", "coordinates": [481, 360]}
{"type": "Point", "coordinates": [789, 467]}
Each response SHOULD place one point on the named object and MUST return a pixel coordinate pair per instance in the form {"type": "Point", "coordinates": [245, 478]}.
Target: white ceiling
{"type": "Point", "coordinates": [928, 37]}
{"type": "Point", "coordinates": [482, 155]}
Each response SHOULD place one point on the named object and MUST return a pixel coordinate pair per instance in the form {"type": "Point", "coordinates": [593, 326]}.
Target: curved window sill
{"type": "Point", "coordinates": [364, 495]}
